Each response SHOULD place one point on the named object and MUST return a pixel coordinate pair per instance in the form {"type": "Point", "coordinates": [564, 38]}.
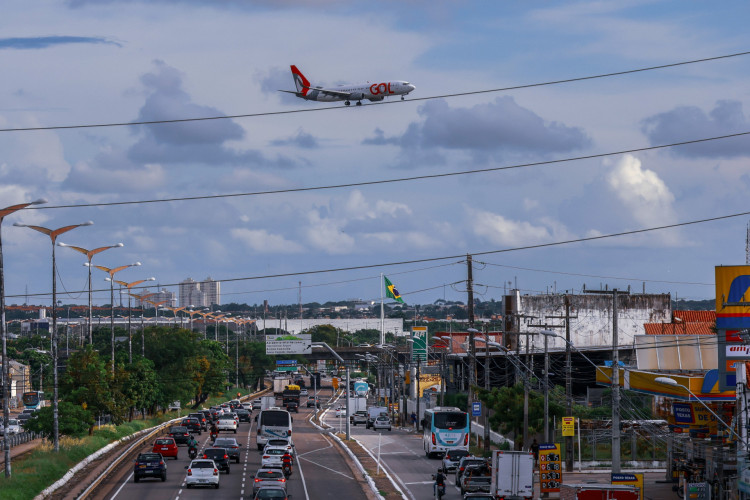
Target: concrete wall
{"type": "Point", "coordinates": [593, 325]}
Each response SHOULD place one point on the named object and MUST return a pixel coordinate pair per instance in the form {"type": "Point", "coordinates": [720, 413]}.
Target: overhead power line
{"type": "Point", "coordinates": [328, 108]}
{"type": "Point", "coordinates": [449, 257]}
{"type": "Point", "coordinates": [394, 180]}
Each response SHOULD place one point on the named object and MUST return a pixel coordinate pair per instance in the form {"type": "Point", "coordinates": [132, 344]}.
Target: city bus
{"type": "Point", "coordinates": [33, 400]}
{"type": "Point", "coordinates": [273, 423]}
{"type": "Point", "coordinates": [445, 428]}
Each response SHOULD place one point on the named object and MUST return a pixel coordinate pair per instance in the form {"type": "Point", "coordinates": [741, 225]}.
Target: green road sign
{"type": "Point", "coordinates": [419, 346]}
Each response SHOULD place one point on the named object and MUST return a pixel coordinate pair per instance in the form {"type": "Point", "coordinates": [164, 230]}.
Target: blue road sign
{"type": "Point", "coordinates": [476, 409]}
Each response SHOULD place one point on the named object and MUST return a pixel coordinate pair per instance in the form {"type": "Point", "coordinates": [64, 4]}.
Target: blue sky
{"type": "Point", "coordinates": [88, 62]}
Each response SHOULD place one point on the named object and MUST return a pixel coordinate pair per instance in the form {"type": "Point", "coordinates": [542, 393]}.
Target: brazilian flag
{"type": "Point", "coordinates": [391, 292]}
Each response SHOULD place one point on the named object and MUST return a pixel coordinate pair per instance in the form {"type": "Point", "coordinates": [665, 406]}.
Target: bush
{"type": "Point", "coordinates": [72, 421]}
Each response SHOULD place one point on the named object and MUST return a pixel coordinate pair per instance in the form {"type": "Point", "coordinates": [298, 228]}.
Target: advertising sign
{"type": "Point", "coordinates": [289, 344]}
{"type": "Point", "coordinates": [568, 426]}
{"type": "Point", "coordinates": [732, 320]}
{"type": "Point", "coordinates": [550, 468]}
{"type": "Point", "coordinates": [630, 480]}
{"type": "Point", "coordinates": [419, 346]}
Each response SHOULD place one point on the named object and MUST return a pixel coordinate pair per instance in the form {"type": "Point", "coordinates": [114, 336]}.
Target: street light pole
{"type": "Point", "coordinates": [6, 366]}
{"type": "Point", "coordinates": [53, 234]}
{"type": "Point", "coordinates": [130, 333]}
{"type": "Point", "coordinates": [90, 255]}
{"type": "Point", "coordinates": [346, 366]}
{"type": "Point", "coordinates": [112, 272]}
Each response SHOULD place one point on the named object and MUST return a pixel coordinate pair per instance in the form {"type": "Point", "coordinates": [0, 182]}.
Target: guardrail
{"type": "Point", "coordinates": [20, 438]}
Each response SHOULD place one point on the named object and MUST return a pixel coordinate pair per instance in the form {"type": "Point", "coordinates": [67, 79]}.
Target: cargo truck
{"type": "Point", "coordinates": [598, 492]}
{"type": "Point", "coordinates": [279, 384]}
{"type": "Point", "coordinates": [512, 475]}
{"type": "Point", "coordinates": [267, 402]}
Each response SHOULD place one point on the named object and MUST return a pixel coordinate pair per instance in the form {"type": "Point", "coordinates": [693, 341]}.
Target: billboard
{"type": "Point", "coordinates": [419, 346]}
{"type": "Point", "coordinates": [289, 344]}
{"type": "Point", "coordinates": [732, 320]}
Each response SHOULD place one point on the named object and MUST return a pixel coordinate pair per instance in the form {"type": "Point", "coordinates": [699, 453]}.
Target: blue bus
{"type": "Point", "coordinates": [33, 400]}
{"type": "Point", "coordinates": [445, 428]}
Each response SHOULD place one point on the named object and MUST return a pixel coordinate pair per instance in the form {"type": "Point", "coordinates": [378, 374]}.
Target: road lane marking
{"type": "Point", "coordinates": [421, 482]}
{"type": "Point", "coordinates": [328, 468]}
{"type": "Point", "coordinates": [123, 485]}
{"type": "Point", "coordinates": [313, 451]}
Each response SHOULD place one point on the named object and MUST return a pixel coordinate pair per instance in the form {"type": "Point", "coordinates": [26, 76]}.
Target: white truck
{"type": "Point", "coordinates": [279, 384]}
{"type": "Point", "coordinates": [267, 402]}
{"type": "Point", "coordinates": [373, 412]}
{"type": "Point", "coordinates": [512, 475]}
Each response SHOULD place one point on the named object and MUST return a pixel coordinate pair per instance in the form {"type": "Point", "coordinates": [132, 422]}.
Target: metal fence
{"type": "Point", "coordinates": [635, 446]}
{"type": "Point", "coordinates": [20, 438]}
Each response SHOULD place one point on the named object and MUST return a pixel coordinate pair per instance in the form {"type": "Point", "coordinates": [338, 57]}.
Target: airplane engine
{"type": "Point", "coordinates": [357, 96]}
{"type": "Point", "coordinates": [379, 98]}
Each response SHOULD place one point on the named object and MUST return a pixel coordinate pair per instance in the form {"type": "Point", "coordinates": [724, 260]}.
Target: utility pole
{"type": "Point", "coordinates": [615, 379]}
{"type": "Point", "coordinates": [472, 344]}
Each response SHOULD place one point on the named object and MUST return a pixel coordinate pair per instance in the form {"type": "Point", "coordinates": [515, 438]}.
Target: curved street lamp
{"type": "Point", "coordinates": [141, 298]}
{"type": "Point", "coordinates": [53, 234]}
{"type": "Point", "coordinates": [6, 366]}
{"type": "Point", "coordinates": [90, 255]}
{"type": "Point", "coordinates": [112, 271]}
{"type": "Point", "coordinates": [130, 333]}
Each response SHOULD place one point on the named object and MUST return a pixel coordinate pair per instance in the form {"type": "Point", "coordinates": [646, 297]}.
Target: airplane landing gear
{"type": "Point", "coordinates": [359, 103]}
{"type": "Point", "coordinates": [403, 98]}
{"type": "Point", "coordinates": [346, 103]}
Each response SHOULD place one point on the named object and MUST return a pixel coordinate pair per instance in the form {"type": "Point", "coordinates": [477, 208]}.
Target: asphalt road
{"type": "Point", "coordinates": [320, 471]}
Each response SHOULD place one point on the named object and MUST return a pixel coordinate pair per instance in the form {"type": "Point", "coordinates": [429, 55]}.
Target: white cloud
{"type": "Point", "coordinates": [358, 208]}
{"type": "Point", "coordinates": [261, 241]}
{"type": "Point", "coordinates": [642, 192]}
{"type": "Point", "coordinates": [326, 234]}
{"type": "Point", "coordinates": [505, 232]}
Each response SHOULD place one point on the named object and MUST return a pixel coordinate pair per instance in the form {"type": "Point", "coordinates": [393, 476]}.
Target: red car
{"type": "Point", "coordinates": [166, 446]}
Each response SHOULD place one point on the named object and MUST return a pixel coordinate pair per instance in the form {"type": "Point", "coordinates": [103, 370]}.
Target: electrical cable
{"type": "Point", "coordinates": [393, 180]}
{"type": "Point", "coordinates": [426, 98]}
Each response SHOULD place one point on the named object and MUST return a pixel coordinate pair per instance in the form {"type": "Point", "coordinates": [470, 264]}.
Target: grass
{"type": "Point", "coordinates": [42, 467]}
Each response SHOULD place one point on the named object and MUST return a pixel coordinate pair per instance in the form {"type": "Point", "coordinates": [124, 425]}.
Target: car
{"type": "Point", "coordinates": [311, 402]}
{"type": "Point", "coordinates": [243, 415]}
{"type": "Point", "coordinates": [451, 459]}
{"type": "Point", "coordinates": [303, 392]}
{"type": "Point", "coordinates": [149, 465]}
{"type": "Point", "coordinates": [475, 484]}
{"type": "Point", "coordinates": [180, 434]}
{"type": "Point", "coordinates": [193, 425]}
{"type": "Point", "coordinates": [201, 419]}
{"type": "Point", "coordinates": [14, 426]}
{"type": "Point", "coordinates": [271, 457]}
{"type": "Point", "coordinates": [28, 411]}
{"type": "Point", "coordinates": [247, 406]}
{"type": "Point", "coordinates": [23, 418]}
{"type": "Point", "coordinates": [257, 405]}
{"type": "Point", "coordinates": [292, 406]}
{"type": "Point", "coordinates": [219, 456]}
{"type": "Point", "coordinates": [272, 493]}
{"type": "Point", "coordinates": [268, 477]}
{"type": "Point", "coordinates": [227, 422]}
{"type": "Point", "coordinates": [465, 462]}
{"type": "Point", "coordinates": [382, 422]}
{"type": "Point", "coordinates": [359, 417]}
{"type": "Point", "coordinates": [202, 472]}
{"type": "Point", "coordinates": [165, 446]}
{"type": "Point", "coordinates": [282, 442]}
{"type": "Point", "coordinates": [231, 445]}
{"type": "Point", "coordinates": [340, 411]}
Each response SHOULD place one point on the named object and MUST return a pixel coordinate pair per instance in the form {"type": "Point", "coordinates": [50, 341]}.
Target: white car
{"type": "Point", "coordinates": [382, 422]}
{"type": "Point", "coordinates": [271, 457]}
{"type": "Point", "coordinates": [14, 426]}
{"type": "Point", "coordinates": [227, 423]}
{"type": "Point", "coordinates": [281, 443]}
{"type": "Point", "coordinates": [202, 472]}
{"type": "Point", "coordinates": [248, 406]}
{"type": "Point", "coordinates": [340, 412]}
{"type": "Point", "coordinates": [303, 392]}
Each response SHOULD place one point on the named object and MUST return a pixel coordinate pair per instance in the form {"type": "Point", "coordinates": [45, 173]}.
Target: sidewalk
{"type": "Point", "coordinates": [19, 450]}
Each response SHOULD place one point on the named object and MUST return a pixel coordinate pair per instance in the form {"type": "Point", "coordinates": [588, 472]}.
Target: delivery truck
{"type": "Point", "coordinates": [598, 492]}
{"type": "Point", "coordinates": [279, 384]}
{"type": "Point", "coordinates": [267, 402]}
{"type": "Point", "coordinates": [512, 475]}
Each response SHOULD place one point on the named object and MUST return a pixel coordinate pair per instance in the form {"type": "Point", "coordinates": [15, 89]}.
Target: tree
{"type": "Point", "coordinates": [86, 383]}
{"type": "Point", "coordinates": [72, 420]}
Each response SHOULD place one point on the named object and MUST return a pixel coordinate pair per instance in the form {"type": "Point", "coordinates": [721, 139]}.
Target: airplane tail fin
{"type": "Point", "coordinates": [302, 83]}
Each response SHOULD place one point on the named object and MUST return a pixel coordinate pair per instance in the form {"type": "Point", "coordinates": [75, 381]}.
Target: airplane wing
{"type": "Point", "coordinates": [335, 93]}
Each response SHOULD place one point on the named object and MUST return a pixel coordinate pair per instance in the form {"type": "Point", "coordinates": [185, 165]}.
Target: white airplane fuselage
{"type": "Point", "coordinates": [347, 93]}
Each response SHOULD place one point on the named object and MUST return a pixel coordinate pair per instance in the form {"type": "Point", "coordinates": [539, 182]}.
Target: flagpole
{"type": "Point", "coordinates": [382, 310]}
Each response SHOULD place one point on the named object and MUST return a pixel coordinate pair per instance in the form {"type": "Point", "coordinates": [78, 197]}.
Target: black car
{"type": "Point", "coordinates": [292, 406]}
{"type": "Point", "coordinates": [149, 465]}
{"type": "Point", "coordinates": [465, 462]}
{"type": "Point", "coordinates": [242, 415]}
{"type": "Point", "coordinates": [311, 402]}
{"type": "Point", "coordinates": [219, 456]}
{"type": "Point", "coordinates": [180, 434]}
{"type": "Point", "coordinates": [193, 425]}
{"type": "Point", "coordinates": [201, 418]}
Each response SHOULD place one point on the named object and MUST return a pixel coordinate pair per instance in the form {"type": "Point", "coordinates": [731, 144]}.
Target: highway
{"type": "Point", "coordinates": [402, 455]}
{"type": "Point", "coordinates": [320, 471]}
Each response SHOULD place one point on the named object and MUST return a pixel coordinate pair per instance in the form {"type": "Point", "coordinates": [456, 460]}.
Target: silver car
{"type": "Point", "coordinates": [231, 445]}
{"type": "Point", "coordinates": [268, 477]}
{"type": "Point", "coordinates": [382, 422]}
{"type": "Point", "coordinates": [202, 472]}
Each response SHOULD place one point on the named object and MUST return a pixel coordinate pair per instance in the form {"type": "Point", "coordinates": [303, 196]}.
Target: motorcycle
{"type": "Point", "coordinates": [439, 487]}
{"type": "Point", "coordinates": [213, 436]}
{"type": "Point", "coordinates": [192, 452]}
{"type": "Point", "coordinates": [287, 470]}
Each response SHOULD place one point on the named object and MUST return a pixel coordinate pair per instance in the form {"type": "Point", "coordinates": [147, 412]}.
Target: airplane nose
{"type": "Point", "coordinates": [411, 87]}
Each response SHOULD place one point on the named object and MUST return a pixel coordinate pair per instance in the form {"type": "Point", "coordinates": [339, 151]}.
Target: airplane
{"type": "Point", "coordinates": [347, 93]}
